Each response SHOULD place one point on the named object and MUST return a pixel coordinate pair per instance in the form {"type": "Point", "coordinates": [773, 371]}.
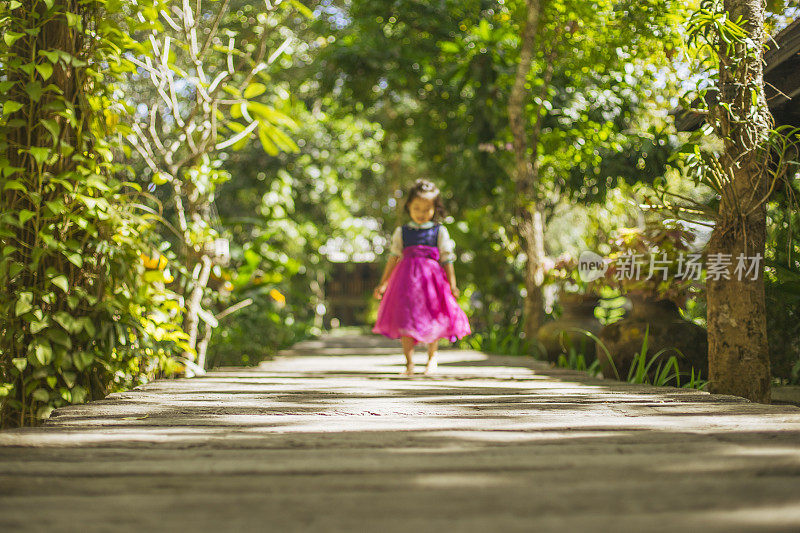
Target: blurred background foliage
{"type": "Point", "coordinates": [351, 101]}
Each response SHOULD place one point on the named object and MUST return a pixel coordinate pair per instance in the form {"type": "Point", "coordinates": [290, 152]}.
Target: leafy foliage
{"type": "Point", "coordinates": [437, 78]}
{"type": "Point", "coordinates": [77, 316]}
{"type": "Point", "coordinates": [201, 88]}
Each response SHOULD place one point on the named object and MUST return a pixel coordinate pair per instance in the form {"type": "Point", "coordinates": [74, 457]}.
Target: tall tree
{"type": "Point", "coordinates": [587, 48]}
{"type": "Point", "coordinates": [438, 77]}
{"type": "Point", "coordinates": [737, 332]}
{"type": "Point", "coordinates": [203, 70]}
{"type": "Point", "coordinates": [530, 223]}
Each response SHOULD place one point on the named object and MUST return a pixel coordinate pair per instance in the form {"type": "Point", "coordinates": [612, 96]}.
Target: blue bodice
{"type": "Point", "coordinates": [416, 236]}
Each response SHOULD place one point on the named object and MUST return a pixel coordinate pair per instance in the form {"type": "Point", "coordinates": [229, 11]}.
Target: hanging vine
{"type": "Point", "coordinates": [77, 317]}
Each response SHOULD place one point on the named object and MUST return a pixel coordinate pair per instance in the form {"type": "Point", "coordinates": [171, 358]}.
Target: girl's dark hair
{"type": "Point", "coordinates": [423, 188]}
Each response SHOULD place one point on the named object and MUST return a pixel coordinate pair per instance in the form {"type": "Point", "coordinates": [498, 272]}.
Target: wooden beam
{"type": "Point", "coordinates": [782, 47]}
{"type": "Point", "coordinates": [781, 76]}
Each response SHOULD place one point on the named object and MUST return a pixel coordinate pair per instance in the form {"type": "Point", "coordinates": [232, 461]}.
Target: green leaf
{"type": "Point", "coordinates": [78, 394]}
{"type": "Point", "coordinates": [43, 352]}
{"type": "Point", "coordinates": [88, 325]}
{"type": "Point", "coordinates": [74, 20]}
{"type": "Point", "coordinates": [266, 142]}
{"type": "Point", "coordinates": [51, 381]}
{"type": "Point", "coordinates": [11, 107]}
{"type": "Point", "coordinates": [51, 56]}
{"type": "Point", "coordinates": [38, 325]}
{"type": "Point", "coordinates": [283, 141]}
{"type": "Point", "coordinates": [39, 154]}
{"type": "Point", "coordinates": [69, 378]}
{"type": "Point", "coordinates": [34, 90]}
{"type": "Point", "coordinates": [160, 178]}
{"type": "Point", "coordinates": [484, 30]}
{"type": "Point", "coordinates": [25, 215]}
{"type": "Point", "coordinates": [45, 69]}
{"type": "Point", "coordinates": [41, 395]}
{"type": "Point", "coordinates": [10, 37]}
{"type": "Point", "coordinates": [61, 282]}
{"type": "Point", "coordinates": [449, 47]}
{"type": "Point", "coordinates": [44, 411]}
{"type": "Point", "coordinates": [272, 115]}
{"type": "Point", "coordinates": [74, 258]}
{"type": "Point", "coordinates": [82, 360]}
{"type": "Point", "coordinates": [59, 336]}
{"type": "Point", "coordinates": [20, 363]}
{"type": "Point", "coordinates": [254, 89]}
{"type": "Point", "coordinates": [24, 303]}
{"type": "Point", "coordinates": [56, 207]}
{"type": "Point", "coordinates": [14, 4]}
{"type": "Point", "coordinates": [152, 276]}
{"type": "Point", "coordinates": [51, 126]}
{"type": "Point", "coordinates": [67, 321]}
{"type": "Point", "coordinates": [15, 269]}
{"type": "Point", "coordinates": [302, 9]}
{"type": "Point", "coordinates": [14, 184]}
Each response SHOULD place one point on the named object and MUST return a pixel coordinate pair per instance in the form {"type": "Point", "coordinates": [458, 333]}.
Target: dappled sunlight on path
{"type": "Point", "coordinates": [339, 442]}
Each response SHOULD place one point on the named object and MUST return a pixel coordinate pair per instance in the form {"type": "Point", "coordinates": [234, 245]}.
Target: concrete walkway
{"type": "Point", "coordinates": [341, 442]}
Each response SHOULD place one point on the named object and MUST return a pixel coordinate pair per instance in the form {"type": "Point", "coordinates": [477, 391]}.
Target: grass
{"type": "Point", "coordinates": [640, 370]}
{"type": "Point", "coordinates": [505, 340]}
{"type": "Point", "coordinates": [577, 361]}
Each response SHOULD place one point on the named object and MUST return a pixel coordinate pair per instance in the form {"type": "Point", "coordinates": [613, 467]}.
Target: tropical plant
{"type": "Point", "coordinates": [201, 87]}
{"type": "Point", "coordinates": [78, 316]}
{"type": "Point", "coordinates": [728, 39]}
{"type": "Point", "coordinates": [647, 369]}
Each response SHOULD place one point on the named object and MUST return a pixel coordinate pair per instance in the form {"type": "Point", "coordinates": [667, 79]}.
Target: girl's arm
{"type": "Point", "coordinates": [447, 255]}
{"type": "Point", "coordinates": [451, 277]}
{"type": "Point", "coordinates": [387, 272]}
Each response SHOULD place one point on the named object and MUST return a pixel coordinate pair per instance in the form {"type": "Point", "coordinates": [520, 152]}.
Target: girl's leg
{"type": "Point", "coordinates": [432, 364]}
{"type": "Point", "coordinates": [408, 351]}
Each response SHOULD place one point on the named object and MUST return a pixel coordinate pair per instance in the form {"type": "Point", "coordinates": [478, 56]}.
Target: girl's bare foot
{"type": "Point", "coordinates": [431, 367]}
{"type": "Point", "coordinates": [408, 352]}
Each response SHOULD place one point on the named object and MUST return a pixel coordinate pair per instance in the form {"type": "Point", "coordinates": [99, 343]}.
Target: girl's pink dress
{"type": "Point", "coordinates": [417, 302]}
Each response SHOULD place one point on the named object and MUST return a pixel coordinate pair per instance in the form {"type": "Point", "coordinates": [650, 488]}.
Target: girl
{"type": "Point", "coordinates": [418, 290]}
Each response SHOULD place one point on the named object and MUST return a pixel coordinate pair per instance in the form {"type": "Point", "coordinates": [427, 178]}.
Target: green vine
{"type": "Point", "coordinates": [720, 48]}
{"type": "Point", "coordinates": [77, 318]}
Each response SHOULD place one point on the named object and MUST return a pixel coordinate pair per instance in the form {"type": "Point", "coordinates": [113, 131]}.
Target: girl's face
{"type": "Point", "coordinates": [421, 210]}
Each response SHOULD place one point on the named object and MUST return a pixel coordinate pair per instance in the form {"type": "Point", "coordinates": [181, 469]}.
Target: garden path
{"type": "Point", "coordinates": [330, 438]}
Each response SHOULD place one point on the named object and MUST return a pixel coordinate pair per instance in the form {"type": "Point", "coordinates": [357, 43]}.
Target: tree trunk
{"type": "Point", "coordinates": [192, 320]}
{"type": "Point", "coordinates": [737, 333]}
{"type": "Point", "coordinates": [530, 223]}
{"type": "Point", "coordinates": [202, 345]}
{"type": "Point", "coordinates": [318, 290]}
{"type": "Point", "coordinates": [532, 231]}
